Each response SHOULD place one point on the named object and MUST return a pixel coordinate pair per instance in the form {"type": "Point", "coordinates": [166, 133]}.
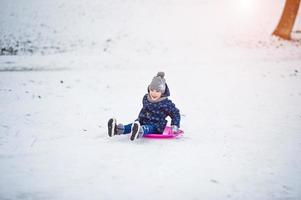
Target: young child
{"type": "Point", "coordinates": [152, 117]}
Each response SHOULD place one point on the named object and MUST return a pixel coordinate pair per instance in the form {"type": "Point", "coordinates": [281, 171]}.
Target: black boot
{"type": "Point", "coordinates": [136, 131]}
{"type": "Point", "coordinates": [112, 128]}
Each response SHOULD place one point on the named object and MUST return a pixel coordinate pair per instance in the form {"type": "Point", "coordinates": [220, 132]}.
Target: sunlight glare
{"type": "Point", "coordinates": [246, 7]}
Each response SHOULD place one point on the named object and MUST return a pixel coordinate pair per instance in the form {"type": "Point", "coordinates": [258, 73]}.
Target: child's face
{"type": "Point", "coordinates": [155, 94]}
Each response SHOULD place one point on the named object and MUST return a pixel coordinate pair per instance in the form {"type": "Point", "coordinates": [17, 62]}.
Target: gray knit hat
{"type": "Point", "coordinates": [158, 83]}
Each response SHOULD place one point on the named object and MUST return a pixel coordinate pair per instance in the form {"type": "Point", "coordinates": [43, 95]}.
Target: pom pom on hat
{"type": "Point", "coordinates": [161, 74]}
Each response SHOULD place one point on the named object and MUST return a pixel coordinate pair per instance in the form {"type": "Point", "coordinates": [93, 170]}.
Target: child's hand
{"type": "Point", "coordinates": [174, 129]}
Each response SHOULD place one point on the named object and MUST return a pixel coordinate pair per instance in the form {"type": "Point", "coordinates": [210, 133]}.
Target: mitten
{"type": "Point", "coordinates": [174, 128]}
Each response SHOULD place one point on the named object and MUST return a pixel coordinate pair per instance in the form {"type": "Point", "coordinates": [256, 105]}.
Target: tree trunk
{"type": "Point", "coordinates": [287, 20]}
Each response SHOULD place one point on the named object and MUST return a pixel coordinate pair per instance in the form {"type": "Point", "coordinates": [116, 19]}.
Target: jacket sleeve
{"type": "Point", "coordinates": [174, 114]}
{"type": "Point", "coordinates": [142, 109]}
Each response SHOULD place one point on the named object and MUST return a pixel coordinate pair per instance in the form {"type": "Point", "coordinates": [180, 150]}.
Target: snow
{"type": "Point", "coordinates": [79, 63]}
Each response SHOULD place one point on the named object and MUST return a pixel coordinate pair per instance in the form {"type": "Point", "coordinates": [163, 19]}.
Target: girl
{"type": "Point", "coordinates": [152, 117]}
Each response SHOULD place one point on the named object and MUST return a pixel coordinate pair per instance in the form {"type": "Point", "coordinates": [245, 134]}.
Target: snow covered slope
{"type": "Point", "coordinates": [79, 63]}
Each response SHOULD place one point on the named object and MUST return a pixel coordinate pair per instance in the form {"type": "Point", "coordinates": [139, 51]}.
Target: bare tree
{"type": "Point", "coordinates": [287, 20]}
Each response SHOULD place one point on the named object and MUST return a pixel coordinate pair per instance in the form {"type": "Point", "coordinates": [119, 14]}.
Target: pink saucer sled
{"type": "Point", "coordinates": [167, 134]}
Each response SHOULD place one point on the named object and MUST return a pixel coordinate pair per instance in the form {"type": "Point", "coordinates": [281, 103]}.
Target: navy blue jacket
{"type": "Point", "coordinates": [154, 113]}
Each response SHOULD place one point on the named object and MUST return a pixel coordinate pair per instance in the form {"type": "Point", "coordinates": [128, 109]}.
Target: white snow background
{"type": "Point", "coordinates": [79, 63]}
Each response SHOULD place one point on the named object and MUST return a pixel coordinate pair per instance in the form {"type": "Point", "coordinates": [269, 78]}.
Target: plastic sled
{"type": "Point", "coordinates": [167, 134]}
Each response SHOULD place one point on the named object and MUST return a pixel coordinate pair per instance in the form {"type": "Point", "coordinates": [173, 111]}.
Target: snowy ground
{"type": "Point", "coordinates": [238, 89]}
